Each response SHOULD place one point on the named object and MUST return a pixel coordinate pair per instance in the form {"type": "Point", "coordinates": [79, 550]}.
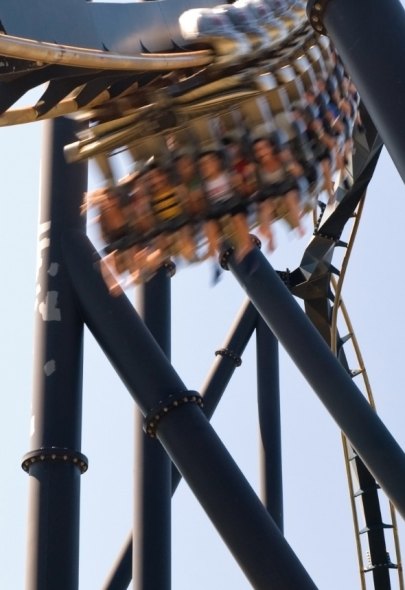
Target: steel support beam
{"type": "Point", "coordinates": [333, 385]}
{"type": "Point", "coordinates": [55, 463]}
{"type": "Point", "coordinates": [369, 35]}
{"type": "Point", "coordinates": [228, 358]}
{"type": "Point", "coordinates": [120, 575]}
{"type": "Point", "coordinates": [212, 391]}
{"type": "Point", "coordinates": [268, 395]}
{"type": "Point", "coordinates": [243, 522]}
{"type": "Point", "coordinates": [153, 467]}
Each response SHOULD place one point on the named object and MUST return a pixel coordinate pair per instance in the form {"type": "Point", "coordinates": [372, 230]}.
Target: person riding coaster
{"type": "Point", "coordinates": [278, 187]}
{"type": "Point", "coordinates": [207, 195]}
{"type": "Point", "coordinates": [226, 211]}
{"type": "Point", "coordinates": [132, 251]}
{"type": "Point", "coordinates": [169, 207]}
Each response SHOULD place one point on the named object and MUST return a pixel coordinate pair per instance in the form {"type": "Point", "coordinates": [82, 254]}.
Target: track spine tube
{"type": "Point", "coordinates": [240, 518]}
{"type": "Point", "coordinates": [55, 463]}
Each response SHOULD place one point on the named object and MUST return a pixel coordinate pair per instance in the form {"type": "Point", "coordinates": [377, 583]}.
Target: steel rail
{"type": "Point", "coordinates": [349, 475]}
{"type": "Point", "coordinates": [49, 53]}
{"type": "Point", "coordinates": [80, 57]}
{"type": "Point", "coordinates": [347, 447]}
{"type": "Point", "coordinates": [337, 285]}
{"type": "Point", "coordinates": [215, 95]}
{"type": "Point", "coordinates": [339, 305]}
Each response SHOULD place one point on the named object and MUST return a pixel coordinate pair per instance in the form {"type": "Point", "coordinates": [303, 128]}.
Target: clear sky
{"type": "Point", "coordinates": [317, 512]}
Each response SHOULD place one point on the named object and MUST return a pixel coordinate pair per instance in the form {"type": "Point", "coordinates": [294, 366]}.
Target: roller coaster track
{"type": "Point", "coordinates": [379, 560]}
{"type": "Point", "coordinates": [378, 557]}
{"type": "Point", "coordinates": [318, 290]}
{"type": "Point", "coordinates": [119, 81]}
{"type": "Point", "coordinates": [321, 292]}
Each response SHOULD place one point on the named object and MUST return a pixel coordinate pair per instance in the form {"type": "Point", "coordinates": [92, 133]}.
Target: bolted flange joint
{"type": "Point", "coordinates": [315, 12]}
{"type": "Point", "coordinates": [173, 401]}
{"type": "Point", "coordinates": [226, 252]}
{"type": "Point", "coordinates": [170, 268]}
{"type": "Point", "coordinates": [225, 352]}
{"type": "Point", "coordinates": [51, 454]}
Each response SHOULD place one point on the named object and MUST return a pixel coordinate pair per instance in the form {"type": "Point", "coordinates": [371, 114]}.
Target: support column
{"type": "Point", "coordinates": [268, 394]}
{"type": "Point", "coordinates": [333, 385]}
{"type": "Point", "coordinates": [55, 463]}
{"type": "Point", "coordinates": [240, 518]}
{"type": "Point", "coordinates": [369, 36]}
{"type": "Point", "coordinates": [228, 359]}
{"type": "Point", "coordinates": [151, 553]}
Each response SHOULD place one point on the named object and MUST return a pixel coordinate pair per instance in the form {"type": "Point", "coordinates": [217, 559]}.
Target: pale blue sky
{"type": "Point", "coordinates": [317, 513]}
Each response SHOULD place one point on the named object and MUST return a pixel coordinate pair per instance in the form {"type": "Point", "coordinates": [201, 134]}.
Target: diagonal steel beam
{"type": "Point", "coordinates": [227, 360]}
{"type": "Point", "coordinates": [240, 518]}
{"type": "Point", "coordinates": [333, 385]}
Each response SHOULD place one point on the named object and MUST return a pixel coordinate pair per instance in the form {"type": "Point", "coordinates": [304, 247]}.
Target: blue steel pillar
{"type": "Point", "coordinates": [268, 393]}
{"type": "Point", "coordinates": [228, 359]}
{"type": "Point", "coordinates": [151, 553]}
{"type": "Point", "coordinates": [55, 463]}
{"type": "Point", "coordinates": [369, 35]}
{"type": "Point", "coordinates": [333, 385]}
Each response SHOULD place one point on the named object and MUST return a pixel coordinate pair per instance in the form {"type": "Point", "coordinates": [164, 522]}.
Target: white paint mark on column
{"type": "Point", "coordinates": [44, 227]}
{"type": "Point", "coordinates": [53, 269]}
{"type": "Point", "coordinates": [43, 243]}
{"type": "Point", "coordinates": [49, 367]}
{"type": "Point", "coordinates": [49, 308]}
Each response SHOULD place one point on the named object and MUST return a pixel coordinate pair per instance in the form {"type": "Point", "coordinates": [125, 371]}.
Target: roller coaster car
{"type": "Point", "coordinates": [306, 148]}
{"type": "Point", "coordinates": [265, 59]}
